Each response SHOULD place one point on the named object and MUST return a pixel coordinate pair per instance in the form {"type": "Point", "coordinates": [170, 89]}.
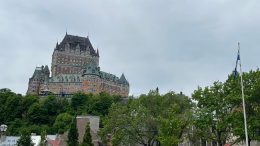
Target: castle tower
{"type": "Point", "coordinates": [40, 75]}
{"type": "Point", "coordinates": [72, 54]}
{"type": "Point", "coordinates": [124, 89]}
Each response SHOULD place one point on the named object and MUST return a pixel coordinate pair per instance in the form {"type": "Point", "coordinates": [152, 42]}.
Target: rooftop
{"type": "Point", "coordinates": [83, 43]}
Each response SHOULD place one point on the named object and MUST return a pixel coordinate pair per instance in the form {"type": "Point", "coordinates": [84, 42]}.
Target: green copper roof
{"type": "Point", "coordinates": [38, 72]}
{"type": "Point", "coordinates": [91, 69]}
{"type": "Point", "coordinates": [123, 79]}
{"type": "Point", "coordinates": [66, 78]}
{"type": "Point", "coordinates": [108, 76]}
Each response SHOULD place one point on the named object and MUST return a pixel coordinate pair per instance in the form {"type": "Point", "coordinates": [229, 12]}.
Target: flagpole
{"type": "Point", "coordinates": [243, 97]}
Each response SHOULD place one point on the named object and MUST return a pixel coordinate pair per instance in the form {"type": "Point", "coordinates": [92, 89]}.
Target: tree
{"type": "Point", "coordinates": [43, 138]}
{"type": "Point", "coordinates": [4, 95]}
{"type": "Point", "coordinates": [80, 102]}
{"type": "Point", "coordinates": [14, 127]}
{"type": "Point", "coordinates": [145, 120]}
{"type": "Point", "coordinates": [13, 107]}
{"type": "Point", "coordinates": [73, 134]}
{"type": "Point", "coordinates": [251, 82]}
{"type": "Point", "coordinates": [37, 114]}
{"type": "Point", "coordinates": [101, 103]}
{"type": "Point", "coordinates": [27, 101]}
{"type": "Point", "coordinates": [53, 107]}
{"type": "Point", "coordinates": [87, 139]}
{"type": "Point", "coordinates": [219, 112]}
{"type": "Point", "coordinates": [119, 124]}
{"type": "Point", "coordinates": [213, 113]}
{"type": "Point", "coordinates": [62, 122]}
{"type": "Point", "coordinates": [25, 139]}
{"type": "Point", "coordinates": [174, 125]}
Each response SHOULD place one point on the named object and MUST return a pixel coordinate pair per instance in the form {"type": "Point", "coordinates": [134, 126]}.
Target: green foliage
{"type": "Point", "coordinates": [37, 114]}
{"type": "Point", "coordinates": [80, 102]}
{"type": "Point", "coordinates": [53, 107]}
{"type": "Point", "coordinates": [25, 139]}
{"type": "Point", "coordinates": [93, 104]}
{"type": "Point", "coordinates": [13, 107]}
{"type": "Point", "coordinates": [28, 100]}
{"type": "Point", "coordinates": [100, 104]}
{"type": "Point", "coordinates": [41, 113]}
{"type": "Point", "coordinates": [153, 118]}
{"type": "Point", "coordinates": [43, 138]}
{"type": "Point", "coordinates": [87, 139]}
{"type": "Point", "coordinates": [15, 127]}
{"type": "Point", "coordinates": [144, 120]}
{"type": "Point", "coordinates": [219, 113]}
{"type": "Point", "coordinates": [252, 96]}
{"type": "Point", "coordinates": [213, 114]}
{"type": "Point", "coordinates": [73, 134]}
{"type": "Point", "coordinates": [62, 122]}
{"type": "Point", "coordinates": [174, 125]}
{"type": "Point", "coordinates": [38, 128]}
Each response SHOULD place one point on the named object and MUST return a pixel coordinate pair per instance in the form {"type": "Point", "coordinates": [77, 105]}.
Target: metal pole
{"type": "Point", "coordinates": [243, 98]}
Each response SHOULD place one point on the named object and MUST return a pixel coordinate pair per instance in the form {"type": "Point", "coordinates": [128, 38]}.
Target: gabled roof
{"type": "Point", "coordinates": [83, 42]}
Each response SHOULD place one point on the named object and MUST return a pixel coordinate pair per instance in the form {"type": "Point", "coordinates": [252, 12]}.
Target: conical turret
{"type": "Point", "coordinates": [57, 45]}
{"type": "Point", "coordinates": [123, 79]}
{"type": "Point", "coordinates": [97, 53]}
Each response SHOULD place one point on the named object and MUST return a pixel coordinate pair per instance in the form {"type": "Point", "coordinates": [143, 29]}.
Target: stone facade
{"type": "Point", "coordinates": [75, 68]}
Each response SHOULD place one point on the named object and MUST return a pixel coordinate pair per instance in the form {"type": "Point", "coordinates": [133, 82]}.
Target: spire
{"type": "Point", "coordinates": [57, 45]}
{"type": "Point", "coordinates": [97, 52]}
{"type": "Point", "coordinates": [123, 79]}
{"type": "Point", "coordinates": [157, 90]}
{"type": "Point", "coordinates": [46, 69]}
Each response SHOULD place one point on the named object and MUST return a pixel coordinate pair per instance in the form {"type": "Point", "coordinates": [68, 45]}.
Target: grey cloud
{"type": "Point", "coordinates": [175, 45]}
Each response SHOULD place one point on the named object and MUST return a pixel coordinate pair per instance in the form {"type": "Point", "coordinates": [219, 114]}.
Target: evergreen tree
{"type": "Point", "coordinates": [73, 134]}
{"type": "Point", "coordinates": [87, 139]}
{"type": "Point", "coordinates": [25, 139]}
{"type": "Point", "coordinates": [43, 138]}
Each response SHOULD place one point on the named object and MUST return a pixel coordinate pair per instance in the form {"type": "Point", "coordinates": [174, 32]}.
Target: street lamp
{"type": "Point", "coordinates": [3, 128]}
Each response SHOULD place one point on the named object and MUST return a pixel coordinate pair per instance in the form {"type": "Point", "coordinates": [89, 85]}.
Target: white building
{"type": "Point", "coordinates": [12, 140]}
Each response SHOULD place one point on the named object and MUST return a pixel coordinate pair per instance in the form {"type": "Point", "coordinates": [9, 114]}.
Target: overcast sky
{"type": "Point", "coordinates": [176, 45]}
